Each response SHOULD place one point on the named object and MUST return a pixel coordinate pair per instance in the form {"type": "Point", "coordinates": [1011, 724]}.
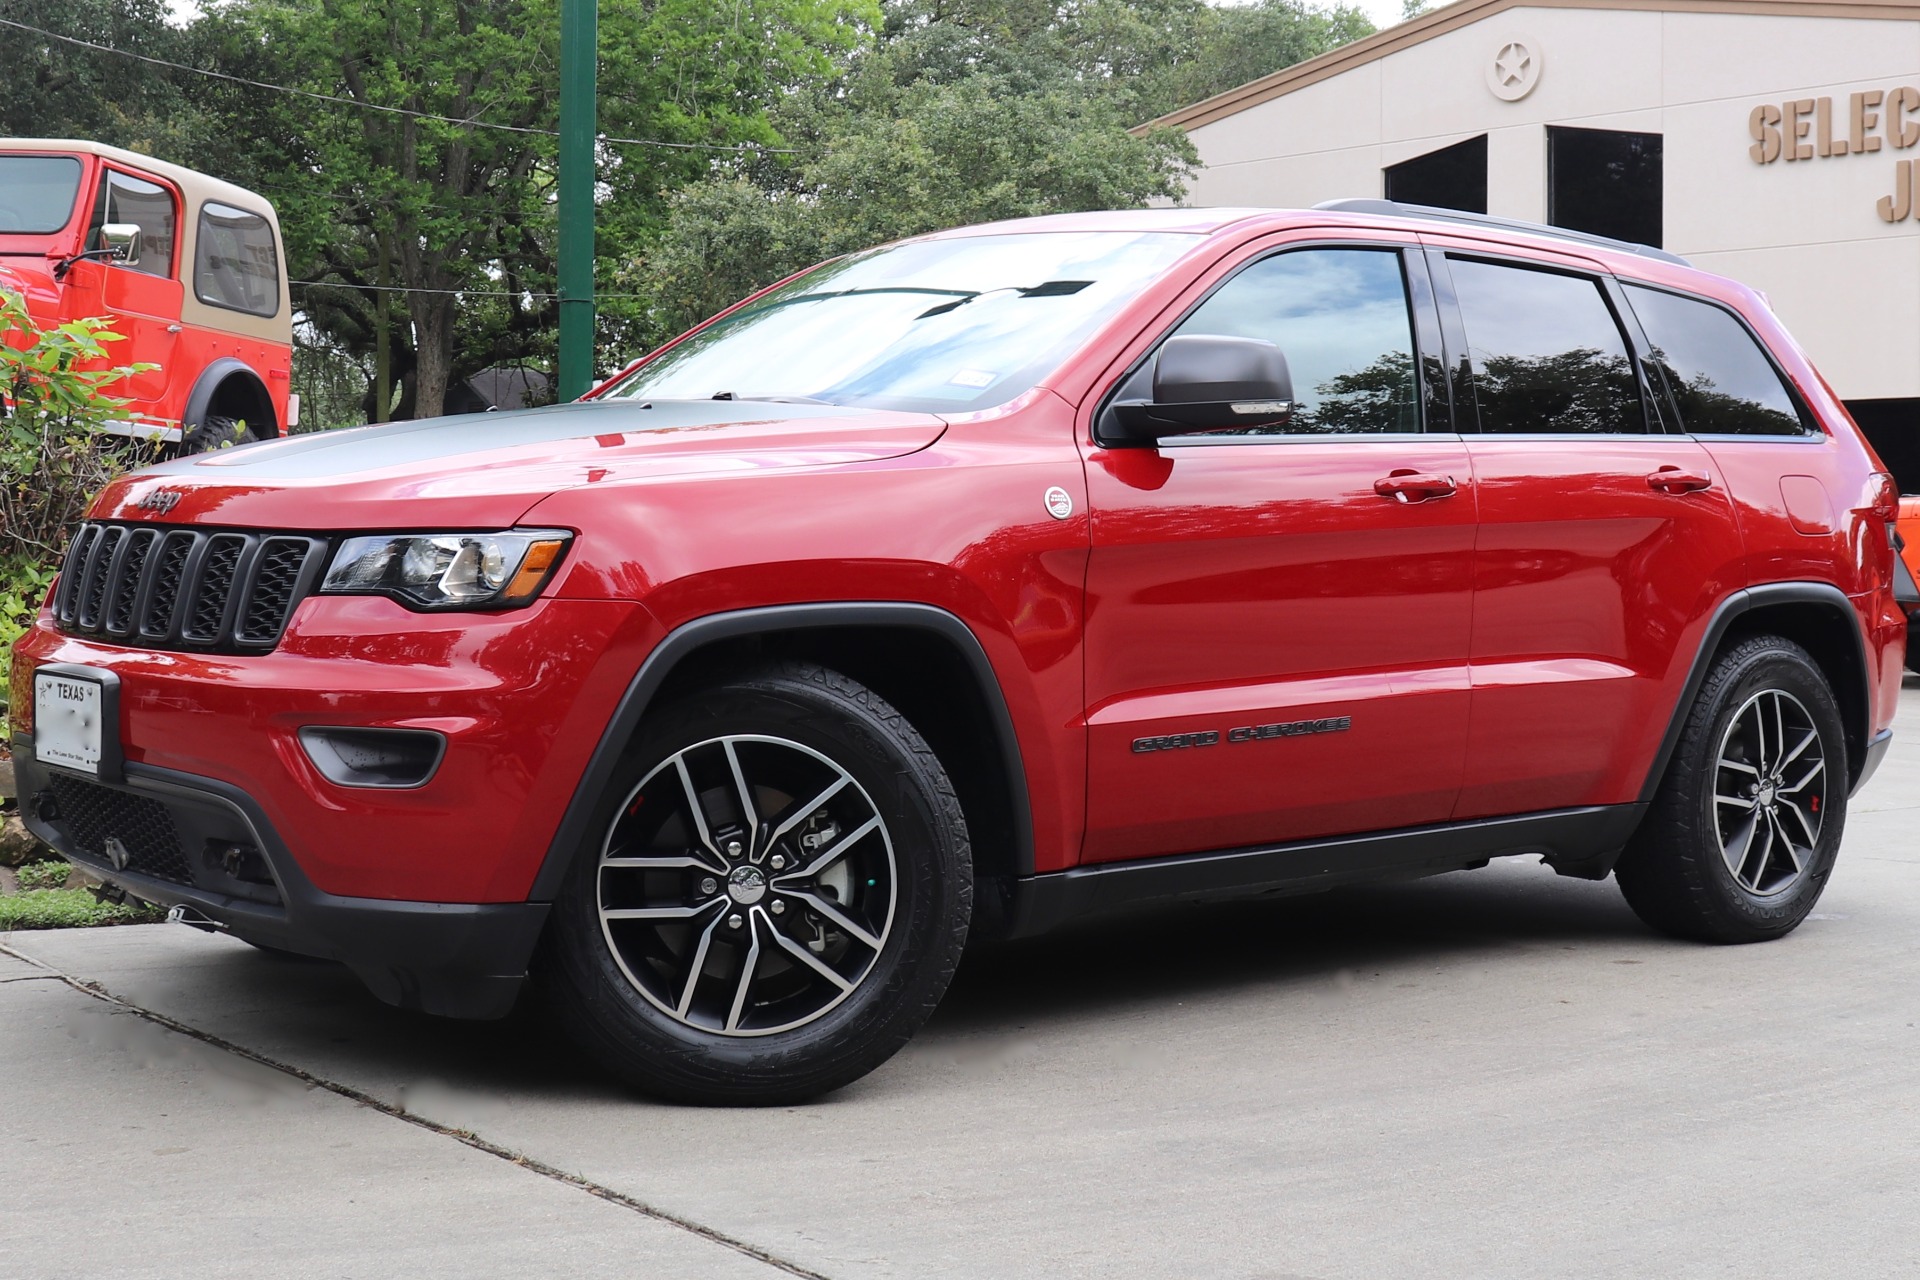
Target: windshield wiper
{"type": "Point", "coordinates": [1049, 289]}
{"type": "Point", "coordinates": [851, 293]}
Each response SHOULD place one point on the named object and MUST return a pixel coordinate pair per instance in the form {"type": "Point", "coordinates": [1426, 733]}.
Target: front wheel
{"type": "Point", "coordinates": [1744, 830]}
{"type": "Point", "coordinates": [774, 899]}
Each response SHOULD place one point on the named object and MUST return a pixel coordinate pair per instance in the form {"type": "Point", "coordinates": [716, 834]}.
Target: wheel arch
{"type": "Point", "coordinates": [226, 385]}
{"type": "Point", "coordinates": [1819, 618]}
{"type": "Point", "coordinates": [917, 656]}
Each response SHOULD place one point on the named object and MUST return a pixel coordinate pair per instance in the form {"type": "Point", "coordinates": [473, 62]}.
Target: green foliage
{"type": "Point", "coordinates": [54, 453]}
{"type": "Point", "coordinates": [968, 111]}
{"type": "Point", "coordinates": [44, 875]}
{"type": "Point", "coordinates": [369, 198]}
{"type": "Point", "coordinates": [57, 90]}
{"type": "Point", "coordinates": [71, 909]}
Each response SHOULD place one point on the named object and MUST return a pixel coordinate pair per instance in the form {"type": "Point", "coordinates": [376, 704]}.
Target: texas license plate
{"type": "Point", "coordinates": [69, 715]}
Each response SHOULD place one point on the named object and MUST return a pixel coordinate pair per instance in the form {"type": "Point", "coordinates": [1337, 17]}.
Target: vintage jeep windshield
{"type": "Point", "coordinates": [931, 325]}
{"type": "Point", "coordinates": [36, 193]}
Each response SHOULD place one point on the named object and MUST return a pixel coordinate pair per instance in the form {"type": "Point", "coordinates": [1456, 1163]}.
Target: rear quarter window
{"type": "Point", "coordinates": [236, 264]}
{"type": "Point", "coordinates": [1722, 381]}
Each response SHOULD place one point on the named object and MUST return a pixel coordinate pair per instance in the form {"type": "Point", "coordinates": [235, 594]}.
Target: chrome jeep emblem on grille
{"type": "Point", "coordinates": [117, 853]}
{"type": "Point", "coordinates": [159, 501]}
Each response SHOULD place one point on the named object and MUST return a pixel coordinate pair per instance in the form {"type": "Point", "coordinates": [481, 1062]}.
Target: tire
{"type": "Point", "coordinates": [1688, 872]}
{"type": "Point", "coordinates": [216, 432]}
{"type": "Point", "coordinates": [875, 853]}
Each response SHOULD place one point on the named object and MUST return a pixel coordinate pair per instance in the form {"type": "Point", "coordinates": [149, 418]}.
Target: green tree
{"type": "Point", "coordinates": [457, 218]}
{"type": "Point", "coordinates": [56, 89]}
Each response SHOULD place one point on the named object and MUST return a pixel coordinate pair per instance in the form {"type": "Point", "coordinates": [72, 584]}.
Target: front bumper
{"type": "Point", "coordinates": [178, 839]}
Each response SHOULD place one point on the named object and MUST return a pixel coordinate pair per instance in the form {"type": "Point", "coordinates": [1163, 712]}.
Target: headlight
{"type": "Point", "coordinates": [448, 570]}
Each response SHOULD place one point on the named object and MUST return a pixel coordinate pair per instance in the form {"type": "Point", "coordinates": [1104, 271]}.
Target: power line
{"type": "Point", "coordinates": [755, 148]}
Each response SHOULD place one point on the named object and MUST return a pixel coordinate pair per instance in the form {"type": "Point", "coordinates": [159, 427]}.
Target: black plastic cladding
{"type": "Point", "coordinates": [165, 587]}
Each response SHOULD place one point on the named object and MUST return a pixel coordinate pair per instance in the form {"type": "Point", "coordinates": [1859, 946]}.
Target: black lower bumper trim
{"type": "Point", "coordinates": [1876, 752]}
{"type": "Point", "coordinates": [460, 960]}
{"type": "Point", "coordinates": [1578, 842]}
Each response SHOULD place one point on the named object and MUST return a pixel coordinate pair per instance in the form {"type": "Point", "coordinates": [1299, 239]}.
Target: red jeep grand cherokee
{"type": "Point", "coordinates": [982, 581]}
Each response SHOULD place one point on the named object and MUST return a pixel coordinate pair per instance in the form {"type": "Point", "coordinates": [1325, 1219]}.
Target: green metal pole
{"type": "Point", "coordinates": [579, 102]}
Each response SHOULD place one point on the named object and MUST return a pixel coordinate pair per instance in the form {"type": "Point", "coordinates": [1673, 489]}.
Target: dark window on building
{"type": "Point", "coordinates": [1723, 382]}
{"type": "Point", "coordinates": [1605, 182]}
{"type": "Point", "coordinates": [1451, 178]}
{"type": "Point", "coordinates": [1547, 353]}
{"type": "Point", "coordinates": [1892, 427]}
{"type": "Point", "coordinates": [1340, 318]}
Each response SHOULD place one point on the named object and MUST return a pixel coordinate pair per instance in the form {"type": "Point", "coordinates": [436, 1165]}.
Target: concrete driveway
{"type": "Point", "coordinates": [1494, 1073]}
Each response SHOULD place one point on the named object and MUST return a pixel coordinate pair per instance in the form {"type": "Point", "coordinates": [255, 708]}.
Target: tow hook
{"type": "Point", "coordinates": [181, 913]}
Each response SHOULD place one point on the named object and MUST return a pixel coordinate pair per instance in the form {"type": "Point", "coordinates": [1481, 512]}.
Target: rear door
{"type": "Point", "coordinates": [1605, 542]}
{"type": "Point", "coordinates": [1278, 619]}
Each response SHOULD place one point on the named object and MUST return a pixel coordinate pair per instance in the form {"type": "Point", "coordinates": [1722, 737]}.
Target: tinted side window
{"type": "Point", "coordinates": [147, 205]}
{"type": "Point", "coordinates": [1723, 382]}
{"type": "Point", "coordinates": [1546, 351]}
{"type": "Point", "coordinates": [1340, 316]}
{"type": "Point", "coordinates": [235, 263]}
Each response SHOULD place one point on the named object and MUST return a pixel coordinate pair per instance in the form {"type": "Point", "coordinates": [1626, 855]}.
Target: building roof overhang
{"type": "Point", "coordinates": [1466, 12]}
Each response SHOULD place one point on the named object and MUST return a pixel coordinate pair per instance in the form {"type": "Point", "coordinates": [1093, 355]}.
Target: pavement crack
{"type": "Point", "coordinates": [465, 1137]}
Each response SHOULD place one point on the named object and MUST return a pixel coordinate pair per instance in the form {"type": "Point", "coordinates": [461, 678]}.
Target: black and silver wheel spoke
{"type": "Point", "coordinates": [1769, 828]}
{"type": "Point", "coordinates": [747, 885]}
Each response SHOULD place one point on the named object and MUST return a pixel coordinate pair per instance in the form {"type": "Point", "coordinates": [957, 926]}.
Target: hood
{"type": "Point", "coordinates": [487, 469]}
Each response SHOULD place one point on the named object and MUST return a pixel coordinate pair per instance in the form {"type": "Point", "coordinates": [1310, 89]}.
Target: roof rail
{"type": "Point", "coordinates": [1394, 209]}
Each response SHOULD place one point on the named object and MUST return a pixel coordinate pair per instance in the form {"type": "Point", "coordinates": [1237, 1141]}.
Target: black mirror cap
{"type": "Point", "coordinates": [1208, 382]}
{"type": "Point", "coordinates": [1212, 369]}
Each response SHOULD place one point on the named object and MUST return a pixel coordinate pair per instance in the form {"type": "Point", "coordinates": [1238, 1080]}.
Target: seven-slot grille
{"type": "Point", "coordinates": [165, 587]}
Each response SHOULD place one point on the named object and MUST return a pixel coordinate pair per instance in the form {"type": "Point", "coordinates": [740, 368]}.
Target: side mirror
{"type": "Point", "coordinates": [123, 239]}
{"type": "Point", "coordinates": [1204, 382]}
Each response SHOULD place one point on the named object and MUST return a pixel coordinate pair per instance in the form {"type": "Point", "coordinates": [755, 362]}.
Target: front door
{"type": "Point", "coordinates": [1278, 620]}
{"type": "Point", "coordinates": [143, 296]}
{"type": "Point", "coordinates": [1605, 541]}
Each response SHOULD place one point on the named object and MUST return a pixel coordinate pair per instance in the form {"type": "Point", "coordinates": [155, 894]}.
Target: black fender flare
{"type": "Point", "coordinates": [1766, 595]}
{"type": "Point", "coordinates": [691, 636]}
{"type": "Point", "coordinates": [210, 380]}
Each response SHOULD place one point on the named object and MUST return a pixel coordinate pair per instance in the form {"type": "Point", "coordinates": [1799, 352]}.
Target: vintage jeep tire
{"type": "Point", "coordinates": [764, 957]}
{"type": "Point", "coordinates": [1744, 829]}
{"type": "Point", "coordinates": [216, 432]}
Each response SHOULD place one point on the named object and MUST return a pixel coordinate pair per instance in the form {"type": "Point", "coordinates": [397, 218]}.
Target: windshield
{"type": "Point", "coordinates": [933, 325]}
{"type": "Point", "coordinates": [36, 193]}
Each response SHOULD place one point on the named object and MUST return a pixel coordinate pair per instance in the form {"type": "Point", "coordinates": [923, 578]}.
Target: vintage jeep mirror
{"type": "Point", "coordinates": [122, 240]}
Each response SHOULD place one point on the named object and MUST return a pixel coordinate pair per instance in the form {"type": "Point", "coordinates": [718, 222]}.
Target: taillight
{"type": "Point", "coordinates": [1886, 497]}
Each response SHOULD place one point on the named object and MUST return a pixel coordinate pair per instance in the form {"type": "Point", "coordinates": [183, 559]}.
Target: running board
{"type": "Point", "coordinates": [1577, 842]}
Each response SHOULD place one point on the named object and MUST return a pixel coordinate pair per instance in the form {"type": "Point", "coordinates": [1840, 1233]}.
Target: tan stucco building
{"type": "Point", "coordinates": [1777, 141]}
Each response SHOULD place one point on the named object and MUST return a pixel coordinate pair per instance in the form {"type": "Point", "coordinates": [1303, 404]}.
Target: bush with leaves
{"type": "Point", "coordinates": [55, 453]}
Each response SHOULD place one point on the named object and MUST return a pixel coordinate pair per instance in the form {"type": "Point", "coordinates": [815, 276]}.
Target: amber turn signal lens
{"type": "Point", "coordinates": [538, 562]}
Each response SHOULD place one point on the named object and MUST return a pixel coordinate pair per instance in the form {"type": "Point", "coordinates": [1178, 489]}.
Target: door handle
{"type": "Point", "coordinates": [1408, 485]}
{"type": "Point", "coordinates": [1673, 480]}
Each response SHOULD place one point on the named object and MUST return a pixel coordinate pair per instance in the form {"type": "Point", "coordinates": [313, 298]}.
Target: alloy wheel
{"type": "Point", "coordinates": [1769, 778]}
{"type": "Point", "coordinates": [747, 885]}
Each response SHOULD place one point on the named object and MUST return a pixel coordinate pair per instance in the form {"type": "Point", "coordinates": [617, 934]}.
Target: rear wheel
{"type": "Point", "coordinates": [775, 897]}
{"type": "Point", "coordinates": [1746, 825]}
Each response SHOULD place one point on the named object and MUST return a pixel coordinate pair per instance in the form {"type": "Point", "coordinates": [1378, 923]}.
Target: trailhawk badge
{"type": "Point", "coordinates": [1059, 503]}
